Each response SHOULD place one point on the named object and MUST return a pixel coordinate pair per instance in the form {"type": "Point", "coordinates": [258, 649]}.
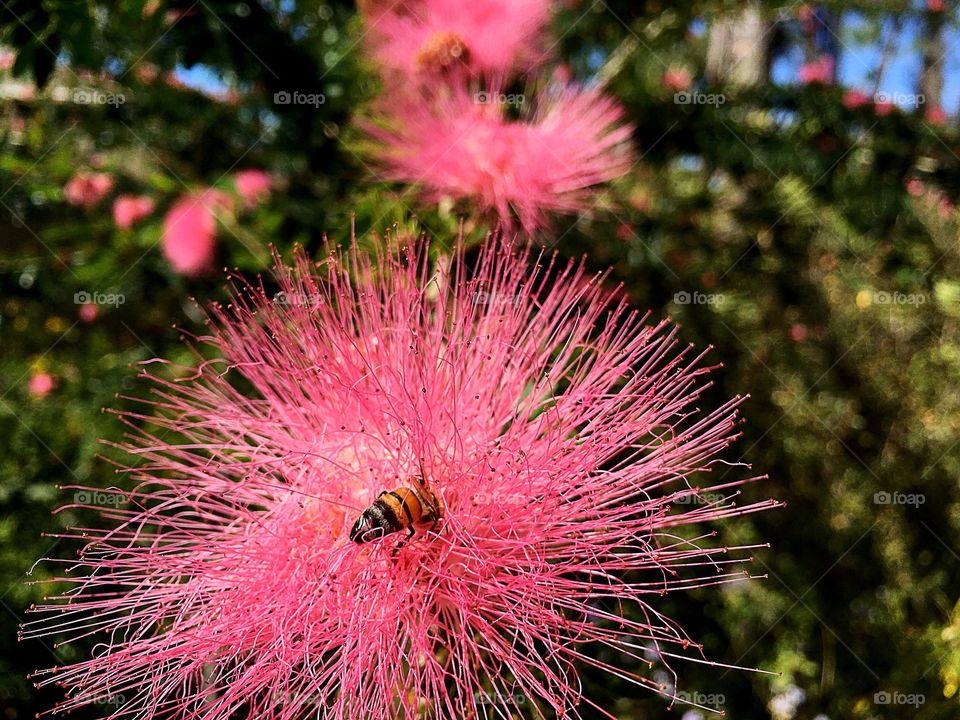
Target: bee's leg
{"type": "Point", "coordinates": [434, 518]}
{"type": "Point", "coordinates": [396, 548]}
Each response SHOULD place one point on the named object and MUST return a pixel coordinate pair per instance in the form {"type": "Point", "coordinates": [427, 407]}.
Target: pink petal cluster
{"type": "Point", "coordinates": [88, 312]}
{"type": "Point", "coordinates": [820, 71]}
{"type": "Point", "coordinates": [677, 79]}
{"type": "Point", "coordinates": [86, 189]}
{"type": "Point", "coordinates": [190, 229]}
{"type": "Point", "coordinates": [560, 432]}
{"type": "Point", "coordinates": [932, 197]}
{"type": "Point", "coordinates": [446, 57]}
{"type": "Point", "coordinates": [252, 185]}
{"type": "Point", "coordinates": [935, 115]}
{"type": "Point", "coordinates": [882, 108]}
{"type": "Point", "coordinates": [41, 384]}
{"type": "Point", "coordinates": [518, 169]}
{"type": "Point", "coordinates": [128, 210]}
{"type": "Point", "coordinates": [853, 99]}
{"type": "Point", "coordinates": [423, 39]}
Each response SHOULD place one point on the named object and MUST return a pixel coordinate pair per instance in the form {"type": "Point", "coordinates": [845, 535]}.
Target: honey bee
{"type": "Point", "coordinates": [405, 508]}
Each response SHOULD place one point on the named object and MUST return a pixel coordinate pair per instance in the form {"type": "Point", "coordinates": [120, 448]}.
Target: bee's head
{"type": "Point", "coordinates": [364, 531]}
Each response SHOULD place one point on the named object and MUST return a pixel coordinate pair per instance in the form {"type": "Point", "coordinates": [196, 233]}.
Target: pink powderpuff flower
{"type": "Point", "coordinates": [128, 210]}
{"type": "Point", "coordinates": [87, 189]}
{"type": "Point", "coordinates": [799, 332]}
{"type": "Point", "coordinates": [677, 79]}
{"type": "Point", "coordinates": [548, 161]}
{"type": "Point", "coordinates": [808, 18]}
{"type": "Point", "coordinates": [556, 433]}
{"type": "Point", "coordinates": [820, 71]}
{"type": "Point", "coordinates": [423, 39]}
{"type": "Point", "coordinates": [147, 73]}
{"type": "Point", "coordinates": [915, 187]}
{"type": "Point", "coordinates": [853, 99]}
{"type": "Point", "coordinates": [190, 229]}
{"type": "Point", "coordinates": [41, 384]}
{"type": "Point", "coordinates": [88, 312]}
{"type": "Point", "coordinates": [883, 107]}
{"type": "Point", "coordinates": [935, 115]}
{"type": "Point", "coordinates": [252, 185]}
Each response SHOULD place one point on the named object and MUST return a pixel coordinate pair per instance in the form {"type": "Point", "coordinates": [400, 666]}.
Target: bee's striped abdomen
{"type": "Point", "coordinates": [391, 512]}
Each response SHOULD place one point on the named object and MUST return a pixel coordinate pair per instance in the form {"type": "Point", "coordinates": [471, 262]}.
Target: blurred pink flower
{"type": "Point", "coordinates": [172, 80]}
{"type": "Point", "coordinates": [424, 38]}
{"type": "Point", "coordinates": [131, 209]}
{"type": "Point", "coordinates": [519, 169]}
{"type": "Point", "coordinates": [853, 99]}
{"type": "Point", "coordinates": [799, 332]}
{"type": "Point", "coordinates": [936, 6]}
{"type": "Point", "coordinates": [819, 71]}
{"type": "Point", "coordinates": [560, 436]}
{"type": "Point", "coordinates": [189, 231]}
{"type": "Point", "coordinates": [935, 115]}
{"type": "Point", "coordinates": [41, 384]}
{"type": "Point", "coordinates": [7, 59]}
{"type": "Point", "coordinates": [86, 189]}
{"type": "Point", "coordinates": [677, 79]}
{"type": "Point", "coordinates": [88, 312]}
{"type": "Point", "coordinates": [915, 187]}
{"type": "Point", "coordinates": [146, 72]}
{"type": "Point", "coordinates": [252, 185]}
{"type": "Point", "coordinates": [882, 108]}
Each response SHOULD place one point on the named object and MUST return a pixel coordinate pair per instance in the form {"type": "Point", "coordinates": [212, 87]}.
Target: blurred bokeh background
{"type": "Point", "coordinates": [793, 205]}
